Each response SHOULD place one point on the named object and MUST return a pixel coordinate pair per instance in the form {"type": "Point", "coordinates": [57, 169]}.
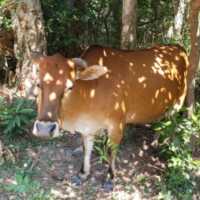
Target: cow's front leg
{"type": "Point", "coordinates": [88, 142]}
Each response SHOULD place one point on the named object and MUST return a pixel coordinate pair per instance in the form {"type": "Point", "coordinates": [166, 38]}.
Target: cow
{"type": "Point", "coordinates": [107, 88]}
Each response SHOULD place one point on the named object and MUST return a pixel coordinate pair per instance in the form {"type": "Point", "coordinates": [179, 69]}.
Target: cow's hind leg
{"type": "Point", "coordinates": [114, 139]}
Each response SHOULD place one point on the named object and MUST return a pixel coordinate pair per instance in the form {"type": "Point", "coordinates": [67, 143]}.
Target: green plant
{"type": "Point", "coordinates": [16, 116]}
{"type": "Point", "coordinates": [80, 23]}
{"type": "Point", "coordinates": [103, 146]}
{"type": "Point", "coordinates": [176, 133]}
{"type": "Point", "coordinates": [24, 186]}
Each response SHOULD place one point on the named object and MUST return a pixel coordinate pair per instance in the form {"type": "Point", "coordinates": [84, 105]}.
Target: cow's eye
{"type": "Point", "coordinates": [38, 84]}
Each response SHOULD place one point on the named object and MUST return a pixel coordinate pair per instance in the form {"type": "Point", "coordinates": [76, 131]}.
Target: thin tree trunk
{"type": "Point", "coordinates": [194, 58]}
{"type": "Point", "coordinates": [29, 36]}
{"type": "Point", "coordinates": [175, 30]}
{"type": "Point", "coordinates": [129, 18]}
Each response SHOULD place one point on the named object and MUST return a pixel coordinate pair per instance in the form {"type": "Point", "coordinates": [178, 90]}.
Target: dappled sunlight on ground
{"type": "Point", "coordinates": [54, 164]}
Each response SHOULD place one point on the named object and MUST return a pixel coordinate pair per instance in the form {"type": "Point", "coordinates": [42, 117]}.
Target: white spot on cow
{"type": "Point", "coordinates": [131, 64]}
{"type": "Point", "coordinates": [121, 126]}
{"type": "Point", "coordinates": [116, 107]}
{"type": "Point", "coordinates": [118, 86]}
{"type": "Point", "coordinates": [61, 72]}
{"type": "Point", "coordinates": [144, 85]}
{"type": "Point", "coordinates": [104, 53]}
{"type": "Point", "coordinates": [170, 95]}
{"type": "Point", "coordinates": [58, 82]}
{"type": "Point", "coordinates": [69, 84]}
{"type": "Point", "coordinates": [52, 96]}
{"type": "Point", "coordinates": [71, 63]}
{"type": "Point", "coordinates": [47, 78]}
{"type": "Point", "coordinates": [122, 82]}
{"type": "Point", "coordinates": [72, 74]}
{"type": "Point", "coordinates": [107, 76]}
{"type": "Point", "coordinates": [162, 89]}
{"type": "Point", "coordinates": [123, 106]}
{"type": "Point", "coordinates": [156, 94]}
{"type": "Point", "coordinates": [92, 93]}
{"type": "Point", "coordinates": [133, 116]}
{"type": "Point", "coordinates": [49, 114]}
{"type": "Point", "coordinates": [141, 79]}
{"type": "Point", "coordinates": [100, 62]}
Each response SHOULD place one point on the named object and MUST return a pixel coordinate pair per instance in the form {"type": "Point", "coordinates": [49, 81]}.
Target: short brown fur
{"type": "Point", "coordinates": [139, 88]}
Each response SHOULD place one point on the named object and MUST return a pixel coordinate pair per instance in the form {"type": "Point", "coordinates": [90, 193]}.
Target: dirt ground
{"type": "Point", "coordinates": [138, 176]}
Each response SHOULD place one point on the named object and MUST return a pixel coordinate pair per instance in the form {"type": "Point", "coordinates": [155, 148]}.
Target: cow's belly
{"type": "Point", "coordinates": [85, 124]}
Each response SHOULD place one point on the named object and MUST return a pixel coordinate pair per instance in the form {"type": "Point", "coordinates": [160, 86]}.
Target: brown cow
{"type": "Point", "coordinates": [106, 89]}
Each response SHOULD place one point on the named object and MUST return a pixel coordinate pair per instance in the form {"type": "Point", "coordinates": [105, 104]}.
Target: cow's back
{"type": "Point", "coordinates": [146, 82]}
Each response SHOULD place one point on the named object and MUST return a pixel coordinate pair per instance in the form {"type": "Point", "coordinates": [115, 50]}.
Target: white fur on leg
{"type": "Point", "coordinates": [88, 146]}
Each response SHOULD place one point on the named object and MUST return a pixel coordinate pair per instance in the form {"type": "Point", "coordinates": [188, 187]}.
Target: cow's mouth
{"type": "Point", "coordinates": [46, 129]}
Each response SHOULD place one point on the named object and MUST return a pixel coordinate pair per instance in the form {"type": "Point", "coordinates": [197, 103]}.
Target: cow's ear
{"type": "Point", "coordinates": [92, 72]}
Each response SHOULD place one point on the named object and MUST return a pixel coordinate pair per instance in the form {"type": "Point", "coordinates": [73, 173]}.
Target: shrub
{"type": "Point", "coordinates": [176, 133]}
{"type": "Point", "coordinates": [103, 146]}
{"type": "Point", "coordinates": [16, 116]}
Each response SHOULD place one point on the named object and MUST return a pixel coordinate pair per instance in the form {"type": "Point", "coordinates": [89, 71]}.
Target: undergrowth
{"type": "Point", "coordinates": [15, 117]}
{"type": "Point", "coordinates": [175, 139]}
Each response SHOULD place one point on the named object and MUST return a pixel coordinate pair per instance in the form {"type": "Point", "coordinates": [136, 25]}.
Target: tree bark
{"type": "Point", "coordinates": [129, 19]}
{"type": "Point", "coordinates": [194, 57]}
{"type": "Point", "coordinates": [175, 30]}
{"type": "Point", "coordinates": [29, 36]}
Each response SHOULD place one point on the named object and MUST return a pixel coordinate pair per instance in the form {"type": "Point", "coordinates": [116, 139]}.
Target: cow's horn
{"type": "Point", "coordinates": [80, 62]}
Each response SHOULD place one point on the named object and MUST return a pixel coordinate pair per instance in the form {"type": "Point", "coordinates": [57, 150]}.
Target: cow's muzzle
{"type": "Point", "coordinates": [46, 129]}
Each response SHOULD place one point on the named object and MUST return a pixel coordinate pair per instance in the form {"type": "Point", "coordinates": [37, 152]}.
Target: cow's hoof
{"type": "Point", "coordinates": [76, 180]}
{"type": "Point", "coordinates": [79, 179]}
{"type": "Point", "coordinates": [108, 185]}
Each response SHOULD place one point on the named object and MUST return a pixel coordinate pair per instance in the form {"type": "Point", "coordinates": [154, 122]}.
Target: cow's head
{"type": "Point", "coordinates": [56, 76]}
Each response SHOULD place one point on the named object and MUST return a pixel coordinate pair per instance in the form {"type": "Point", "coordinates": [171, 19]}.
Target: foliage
{"type": "Point", "coordinates": [156, 17]}
{"type": "Point", "coordinates": [80, 23]}
{"type": "Point", "coordinates": [23, 185]}
{"type": "Point", "coordinates": [16, 116]}
{"type": "Point", "coordinates": [5, 19]}
{"type": "Point", "coordinates": [103, 146]}
{"type": "Point", "coordinates": [176, 133]}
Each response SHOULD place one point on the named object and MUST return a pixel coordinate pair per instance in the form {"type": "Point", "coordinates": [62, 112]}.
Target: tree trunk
{"type": "Point", "coordinates": [29, 36]}
{"type": "Point", "coordinates": [129, 19]}
{"type": "Point", "coordinates": [194, 57]}
{"type": "Point", "coordinates": [175, 30]}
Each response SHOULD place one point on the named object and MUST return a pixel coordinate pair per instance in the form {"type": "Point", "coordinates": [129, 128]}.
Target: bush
{"type": "Point", "coordinates": [16, 116]}
{"type": "Point", "coordinates": [103, 146]}
{"type": "Point", "coordinates": [80, 24]}
{"type": "Point", "coordinates": [176, 133]}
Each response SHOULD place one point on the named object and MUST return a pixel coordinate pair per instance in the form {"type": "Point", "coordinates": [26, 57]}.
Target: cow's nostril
{"type": "Point", "coordinates": [38, 126]}
{"type": "Point", "coordinates": [52, 128]}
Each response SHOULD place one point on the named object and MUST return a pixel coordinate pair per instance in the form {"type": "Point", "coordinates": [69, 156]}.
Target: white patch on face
{"type": "Point", "coordinates": [49, 114]}
{"type": "Point", "coordinates": [47, 78]}
{"type": "Point", "coordinates": [61, 72]}
{"type": "Point", "coordinates": [58, 82]}
{"type": "Point", "coordinates": [52, 96]}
